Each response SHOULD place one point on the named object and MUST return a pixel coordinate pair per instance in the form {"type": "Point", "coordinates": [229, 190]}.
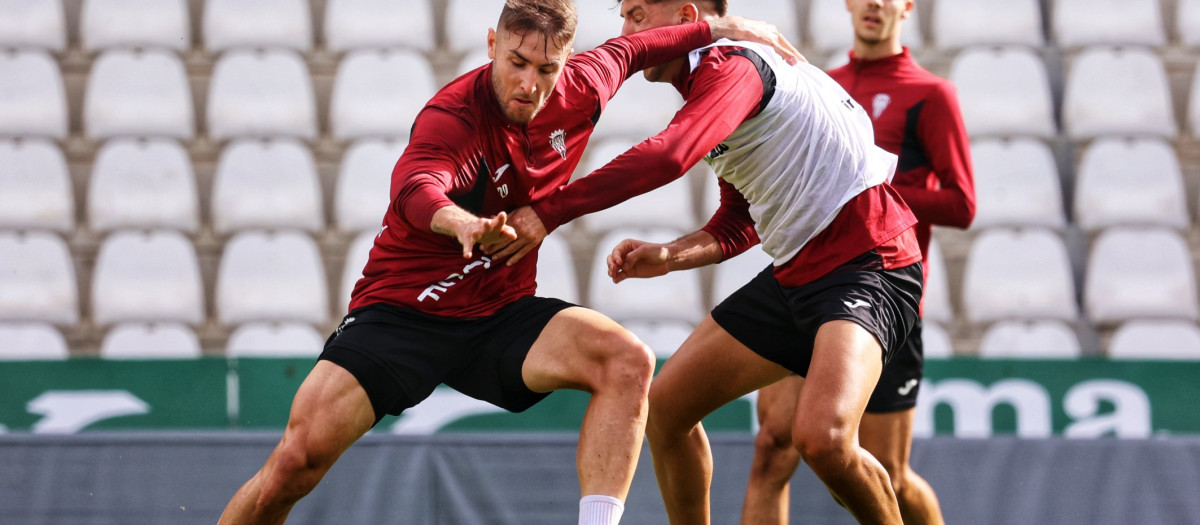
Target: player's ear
{"type": "Point", "coordinates": [491, 44]}
{"type": "Point", "coordinates": [908, 9]}
{"type": "Point", "coordinates": [688, 13]}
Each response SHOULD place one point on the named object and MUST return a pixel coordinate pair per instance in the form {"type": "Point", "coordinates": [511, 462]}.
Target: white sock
{"type": "Point", "coordinates": [600, 510]}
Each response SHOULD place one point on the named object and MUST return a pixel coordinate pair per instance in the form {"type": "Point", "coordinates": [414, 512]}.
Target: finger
{"type": "Point", "coordinates": [508, 250]}
{"type": "Point", "coordinates": [520, 254]}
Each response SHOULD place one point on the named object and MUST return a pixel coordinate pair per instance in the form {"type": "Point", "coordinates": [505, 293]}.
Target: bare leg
{"type": "Point", "coordinates": [775, 458]}
{"type": "Point", "coordinates": [888, 436]}
{"type": "Point", "coordinates": [845, 367]}
{"type": "Point", "coordinates": [709, 370]}
{"type": "Point", "coordinates": [329, 413]}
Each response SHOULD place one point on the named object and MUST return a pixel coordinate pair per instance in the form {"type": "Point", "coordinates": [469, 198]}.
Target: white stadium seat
{"type": "Point", "coordinates": [379, 93]}
{"type": "Point", "coordinates": [829, 26]}
{"type": "Point", "coordinates": [35, 187]}
{"type": "Point", "coordinates": [732, 274]}
{"type": "Point", "coordinates": [668, 206]}
{"type": "Point", "coordinates": [663, 336]}
{"type": "Point", "coordinates": [781, 13]}
{"type": "Point", "coordinates": [37, 279]}
{"type": "Point", "coordinates": [266, 184]}
{"type": "Point", "coordinates": [1016, 184]}
{"type": "Point", "coordinates": [1046, 339]}
{"type": "Point", "coordinates": [261, 93]}
{"type": "Point", "coordinates": [1018, 274]}
{"type": "Point", "coordinates": [598, 22]}
{"type": "Point", "coordinates": [936, 341]}
{"type": "Point", "coordinates": [640, 109]}
{"type": "Point", "coordinates": [138, 93]}
{"type": "Point", "coordinates": [150, 341]}
{"type": "Point", "coordinates": [468, 21]}
{"type": "Point", "coordinates": [147, 276]}
{"type": "Point", "coordinates": [1155, 339]}
{"type": "Point", "coordinates": [33, 24]}
{"type": "Point", "coordinates": [1091, 22]}
{"type": "Point", "coordinates": [936, 304]}
{"type": "Point", "coordinates": [473, 59]}
{"type": "Point", "coordinates": [231, 24]}
{"type": "Point", "coordinates": [1194, 103]}
{"type": "Point", "coordinates": [33, 101]}
{"type": "Point", "coordinates": [556, 275]}
{"type": "Point", "coordinates": [271, 276]}
{"type": "Point", "coordinates": [357, 255]}
{"type": "Point", "coordinates": [1140, 272]}
{"type": "Point", "coordinates": [274, 340]}
{"type": "Point", "coordinates": [31, 341]}
{"type": "Point", "coordinates": [1187, 18]}
{"type": "Point", "coordinates": [143, 184]}
{"type": "Point", "coordinates": [358, 24]}
{"type": "Point", "coordinates": [1130, 182]}
{"type": "Point", "coordinates": [105, 24]}
{"type": "Point", "coordinates": [1004, 92]}
{"type": "Point", "coordinates": [962, 23]}
{"type": "Point", "coordinates": [1117, 91]}
{"type": "Point", "coordinates": [364, 182]}
{"type": "Point", "coordinates": [676, 295]}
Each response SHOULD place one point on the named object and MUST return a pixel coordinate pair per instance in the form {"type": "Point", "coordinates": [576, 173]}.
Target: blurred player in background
{"type": "Point", "coordinates": [431, 310]}
{"type": "Point", "coordinates": [916, 116]}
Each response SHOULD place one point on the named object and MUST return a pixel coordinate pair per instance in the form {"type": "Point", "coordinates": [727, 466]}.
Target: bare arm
{"type": "Point", "coordinates": [640, 259]}
{"type": "Point", "coordinates": [461, 224]}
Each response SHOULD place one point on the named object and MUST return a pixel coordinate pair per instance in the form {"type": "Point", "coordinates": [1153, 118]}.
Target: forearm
{"type": "Point", "coordinates": [449, 220]}
{"type": "Point", "coordinates": [693, 250]}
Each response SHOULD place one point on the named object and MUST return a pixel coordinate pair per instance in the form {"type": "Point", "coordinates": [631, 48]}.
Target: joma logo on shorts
{"type": "Point", "coordinates": [452, 279]}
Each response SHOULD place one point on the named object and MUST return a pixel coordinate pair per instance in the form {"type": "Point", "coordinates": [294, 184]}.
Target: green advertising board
{"type": "Point", "coordinates": [1088, 398]}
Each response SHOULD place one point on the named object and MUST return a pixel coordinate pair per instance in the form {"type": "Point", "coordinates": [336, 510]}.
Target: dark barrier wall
{"type": "Point", "coordinates": [465, 479]}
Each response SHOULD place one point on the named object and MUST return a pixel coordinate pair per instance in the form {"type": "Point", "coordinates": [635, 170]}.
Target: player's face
{"type": "Point", "coordinates": [877, 21]}
{"type": "Point", "coordinates": [640, 16]}
{"type": "Point", "coordinates": [525, 67]}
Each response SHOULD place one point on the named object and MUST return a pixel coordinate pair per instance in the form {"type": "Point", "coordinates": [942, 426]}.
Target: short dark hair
{"type": "Point", "coordinates": [555, 19]}
{"type": "Point", "coordinates": [720, 6]}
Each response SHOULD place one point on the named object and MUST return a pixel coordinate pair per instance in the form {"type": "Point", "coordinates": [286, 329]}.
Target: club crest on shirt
{"type": "Point", "coordinates": [879, 104]}
{"type": "Point", "coordinates": [558, 141]}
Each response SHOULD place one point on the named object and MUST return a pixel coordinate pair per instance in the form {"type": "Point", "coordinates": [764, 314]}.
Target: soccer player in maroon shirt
{"type": "Point", "coordinates": [916, 116]}
{"type": "Point", "coordinates": [432, 309]}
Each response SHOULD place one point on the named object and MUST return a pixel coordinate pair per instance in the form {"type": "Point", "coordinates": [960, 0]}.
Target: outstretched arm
{"type": "Point", "coordinates": [634, 258]}
{"type": "Point", "coordinates": [469, 229]}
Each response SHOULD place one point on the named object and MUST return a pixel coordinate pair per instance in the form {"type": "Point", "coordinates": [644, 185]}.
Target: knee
{"type": "Point", "coordinates": [628, 364]}
{"type": "Point", "coordinates": [295, 469]}
{"type": "Point", "coordinates": [898, 474]}
{"type": "Point", "coordinates": [772, 439]}
{"type": "Point", "coordinates": [824, 450]}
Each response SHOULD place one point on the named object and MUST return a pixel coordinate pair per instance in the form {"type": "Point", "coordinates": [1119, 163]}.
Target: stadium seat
{"type": "Point", "coordinates": [473, 59]}
{"type": "Point", "coordinates": [936, 304]}
{"type": "Point", "coordinates": [963, 23]}
{"type": "Point", "coordinates": [271, 276]}
{"type": "Point", "coordinates": [274, 340]}
{"type": "Point", "coordinates": [556, 275]}
{"type": "Point", "coordinates": [359, 24]}
{"type": "Point", "coordinates": [143, 184]}
{"type": "Point", "coordinates": [32, 24]}
{"type": "Point", "coordinates": [231, 24]}
{"type": "Point", "coordinates": [1187, 18]}
{"type": "Point", "coordinates": [31, 341]}
{"type": "Point", "coordinates": [781, 13]}
{"type": "Point", "coordinates": [936, 340]}
{"type": "Point", "coordinates": [1130, 182]}
{"type": "Point", "coordinates": [669, 206]}
{"type": "Point", "coordinates": [1091, 22]}
{"type": "Point", "coordinates": [266, 184]}
{"type": "Point", "coordinates": [676, 295]}
{"type": "Point", "coordinates": [356, 259]}
{"type": "Point", "coordinates": [33, 101]}
{"type": "Point", "coordinates": [364, 181]}
{"type": "Point", "coordinates": [35, 187]}
{"type": "Point", "coordinates": [379, 93]}
{"type": "Point", "coordinates": [106, 24]}
{"type": "Point", "coordinates": [138, 93]}
{"type": "Point", "coordinates": [1155, 339]}
{"type": "Point", "coordinates": [1018, 274]}
{"type": "Point", "coordinates": [1016, 184]}
{"type": "Point", "coordinates": [150, 341]}
{"type": "Point", "coordinates": [468, 21]}
{"type": "Point", "coordinates": [1004, 91]}
{"type": "Point", "coordinates": [732, 274]}
{"type": "Point", "coordinates": [829, 26]}
{"type": "Point", "coordinates": [598, 22]}
{"type": "Point", "coordinates": [1049, 339]}
{"type": "Point", "coordinates": [664, 337]}
{"type": "Point", "coordinates": [1140, 272]}
{"type": "Point", "coordinates": [640, 109]}
{"type": "Point", "coordinates": [263, 93]}
{"type": "Point", "coordinates": [1117, 91]}
{"type": "Point", "coordinates": [147, 276]}
{"type": "Point", "coordinates": [37, 279]}
{"type": "Point", "coordinates": [1194, 103]}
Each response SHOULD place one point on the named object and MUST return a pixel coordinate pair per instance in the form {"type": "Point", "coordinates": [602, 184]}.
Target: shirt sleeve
{"type": "Point", "coordinates": [731, 225]}
{"type": "Point", "coordinates": [723, 92]}
{"type": "Point", "coordinates": [437, 163]}
{"type": "Point", "coordinates": [610, 64]}
{"type": "Point", "coordinates": [947, 146]}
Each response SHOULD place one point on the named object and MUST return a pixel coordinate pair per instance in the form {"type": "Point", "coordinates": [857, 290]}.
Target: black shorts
{"type": "Point", "coordinates": [901, 378]}
{"type": "Point", "coordinates": [400, 355]}
{"type": "Point", "coordinates": [780, 323]}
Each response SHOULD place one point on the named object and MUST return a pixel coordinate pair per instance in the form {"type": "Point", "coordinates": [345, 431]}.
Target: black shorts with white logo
{"type": "Point", "coordinates": [901, 378]}
{"type": "Point", "coordinates": [400, 355]}
{"type": "Point", "coordinates": [780, 323]}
